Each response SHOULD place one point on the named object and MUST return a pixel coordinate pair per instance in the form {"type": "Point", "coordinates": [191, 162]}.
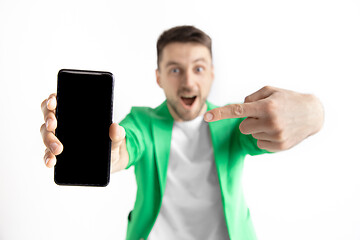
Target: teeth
{"type": "Point", "coordinates": [188, 96]}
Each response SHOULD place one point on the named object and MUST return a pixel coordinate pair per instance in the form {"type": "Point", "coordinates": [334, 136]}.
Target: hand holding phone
{"type": "Point", "coordinates": [54, 147]}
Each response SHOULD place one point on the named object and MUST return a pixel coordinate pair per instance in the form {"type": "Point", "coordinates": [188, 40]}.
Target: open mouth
{"type": "Point", "coordinates": [188, 101]}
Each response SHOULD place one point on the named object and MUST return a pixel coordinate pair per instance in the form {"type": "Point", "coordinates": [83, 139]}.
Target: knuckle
{"type": "Point", "coordinates": [47, 150]}
{"type": "Point", "coordinates": [280, 136]}
{"type": "Point", "coordinates": [48, 138]}
{"type": "Point", "coordinates": [274, 124]}
{"type": "Point", "coordinates": [46, 155]}
{"type": "Point", "coordinates": [281, 96]}
{"type": "Point", "coordinates": [267, 88]}
{"type": "Point", "coordinates": [277, 128]}
{"type": "Point", "coordinates": [43, 103]}
{"type": "Point", "coordinates": [271, 106]}
{"type": "Point", "coordinates": [248, 99]}
{"type": "Point", "coordinates": [45, 113]}
{"type": "Point", "coordinates": [50, 115]}
{"type": "Point", "coordinates": [237, 110]}
{"type": "Point", "coordinates": [42, 127]}
{"type": "Point", "coordinates": [283, 145]}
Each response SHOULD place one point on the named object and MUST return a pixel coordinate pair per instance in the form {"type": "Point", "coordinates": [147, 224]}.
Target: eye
{"type": "Point", "coordinates": [199, 69]}
{"type": "Point", "coordinates": [175, 70]}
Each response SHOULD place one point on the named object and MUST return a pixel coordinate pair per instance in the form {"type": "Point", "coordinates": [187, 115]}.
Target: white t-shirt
{"type": "Point", "coordinates": [192, 205]}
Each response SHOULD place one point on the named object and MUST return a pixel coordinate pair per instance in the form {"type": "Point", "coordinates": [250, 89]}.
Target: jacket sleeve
{"type": "Point", "coordinates": [135, 141]}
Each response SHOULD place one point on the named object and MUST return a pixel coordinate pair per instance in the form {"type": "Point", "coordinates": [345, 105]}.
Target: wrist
{"type": "Point", "coordinates": [316, 114]}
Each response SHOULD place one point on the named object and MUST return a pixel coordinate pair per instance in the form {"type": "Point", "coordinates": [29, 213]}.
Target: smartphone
{"type": "Point", "coordinates": [84, 115]}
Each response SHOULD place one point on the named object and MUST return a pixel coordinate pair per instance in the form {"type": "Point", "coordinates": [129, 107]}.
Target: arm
{"type": "Point", "coordinates": [279, 119]}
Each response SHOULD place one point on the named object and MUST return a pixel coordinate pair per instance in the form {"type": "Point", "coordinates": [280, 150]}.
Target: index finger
{"type": "Point", "coordinates": [233, 111]}
{"type": "Point", "coordinates": [49, 104]}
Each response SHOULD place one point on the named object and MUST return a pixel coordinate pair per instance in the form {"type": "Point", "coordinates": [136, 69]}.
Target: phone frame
{"type": "Point", "coordinates": [93, 73]}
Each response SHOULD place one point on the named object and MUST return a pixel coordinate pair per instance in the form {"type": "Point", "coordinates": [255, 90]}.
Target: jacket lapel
{"type": "Point", "coordinates": [220, 147]}
{"type": "Point", "coordinates": [162, 125]}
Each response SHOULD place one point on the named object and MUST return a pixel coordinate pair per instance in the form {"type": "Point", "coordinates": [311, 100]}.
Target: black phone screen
{"type": "Point", "coordinates": [84, 115]}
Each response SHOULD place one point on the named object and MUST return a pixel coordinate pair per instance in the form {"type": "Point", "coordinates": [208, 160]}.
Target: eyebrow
{"type": "Point", "coordinates": [171, 63]}
{"type": "Point", "coordinates": [176, 63]}
{"type": "Point", "coordinates": [200, 60]}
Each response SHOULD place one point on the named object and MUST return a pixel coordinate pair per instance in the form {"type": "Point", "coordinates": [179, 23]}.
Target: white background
{"type": "Point", "coordinates": [313, 46]}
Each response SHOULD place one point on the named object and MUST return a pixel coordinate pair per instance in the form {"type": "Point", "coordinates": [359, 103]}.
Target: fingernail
{"type": "Point", "coordinates": [47, 124]}
{"type": "Point", "coordinates": [53, 147]}
{"type": "Point", "coordinates": [209, 116]}
{"type": "Point", "coordinates": [47, 160]}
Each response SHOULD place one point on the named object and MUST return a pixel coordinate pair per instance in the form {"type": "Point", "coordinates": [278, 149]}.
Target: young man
{"type": "Point", "coordinates": [188, 165]}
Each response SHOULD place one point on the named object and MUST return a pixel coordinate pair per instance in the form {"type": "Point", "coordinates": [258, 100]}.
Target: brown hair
{"type": "Point", "coordinates": [182, 34]}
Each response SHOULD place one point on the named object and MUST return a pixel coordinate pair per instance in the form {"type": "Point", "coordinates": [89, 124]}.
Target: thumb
{"type": "Point", "coordinates": [117, 135]}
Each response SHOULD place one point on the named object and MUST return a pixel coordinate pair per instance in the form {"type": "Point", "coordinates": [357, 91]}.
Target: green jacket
{"type": "Point", "coordinates": [148, 138]}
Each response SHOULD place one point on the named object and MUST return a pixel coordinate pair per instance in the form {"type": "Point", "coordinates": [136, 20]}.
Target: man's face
{"type": "Point", "coordinates": [185, 74]}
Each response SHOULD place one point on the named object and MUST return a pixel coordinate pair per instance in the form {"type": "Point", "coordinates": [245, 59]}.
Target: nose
{"type": "Point", "coordinates": [189, 79]}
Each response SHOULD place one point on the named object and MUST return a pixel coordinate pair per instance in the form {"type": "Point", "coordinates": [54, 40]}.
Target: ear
{"type": "Point", "coordinates": [157, 72]}
{"type": "Point", "coordinates": [212, 73]}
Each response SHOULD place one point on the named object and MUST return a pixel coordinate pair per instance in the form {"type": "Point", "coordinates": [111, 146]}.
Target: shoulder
{"type": "Point", "coordinates": [146, 116]}
{"type": "Point", "coordinates": [138, 110]}
{"type": "Point", "coordinates": [160, 111]}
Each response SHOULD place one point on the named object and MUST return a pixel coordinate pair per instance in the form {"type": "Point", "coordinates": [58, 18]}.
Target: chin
{"type": "Point", "coordinates": [185, 110]}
